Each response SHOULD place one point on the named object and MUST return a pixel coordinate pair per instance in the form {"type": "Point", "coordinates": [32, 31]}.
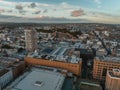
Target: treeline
{"type": "Point", "coordinates": [75, 34]}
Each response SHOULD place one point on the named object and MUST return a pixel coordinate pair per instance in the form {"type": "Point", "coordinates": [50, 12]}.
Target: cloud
{"type": "Point", "coordinates": [5, 11]}
{"type": "Point", "coordinates": [103, 17]}
{"type": "Point", "coordinates": [6, 2]}
{"type": "Point", "coordinates": [45, 5]}
{"type": "Point", "coordinates": [40, 19]}
{"type": "Point", "coordinates": [65, 5]}
{"type": "Point", "coordinates": [45, 11]}
{"type": "Point", "coordinates": [47, 19]}
{"type": "Point", "coordinates": [9, 11]}
{"type": "Point", "coordinates": [33, 5]}
{"type": "Point", "coordinates": [19, 7]}
{"type": "Point", "coordinates": [37, 12]}
{"type": "Point", "coordinates": [28, 11]}
{"type": "Point", "coordinates": [23, 12]}
{"type": "Point", "coordinates": [2, 10]}
{"type": "Point", "coordinates": [5, 16]}
{"type": "Point", "coordinates": [97, 1]}
{"type": "Point", "coordinates": [99, 6]}
{"type": "Point", "coordinates": [54, 9]}
{"type": "Point", "coordinates": [77, 13]}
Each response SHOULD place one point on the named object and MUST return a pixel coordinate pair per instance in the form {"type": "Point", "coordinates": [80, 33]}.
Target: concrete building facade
{"type": "Point", "coordinates": [31, 39]}
{"type": "Point", "coordinates": [5, 77]}
{"type": "Point", "coordinates": [113, 80]}
{"type": "Point", "coordinates": [102, 64]}
{"type": "Point", "coordinates": [10, 68]}
{"type": "Point", "coordinates": [74, 68]}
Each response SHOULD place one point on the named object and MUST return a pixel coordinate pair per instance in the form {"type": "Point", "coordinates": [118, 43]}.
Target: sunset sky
{"type": "Point", "coordinates": [80, 11]}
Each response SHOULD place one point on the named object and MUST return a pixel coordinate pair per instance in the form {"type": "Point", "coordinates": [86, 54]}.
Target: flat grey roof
{"type": "Point", "coordinates": [89, 86]}
{"type": "Point", "coordinates": [108, 59]}
{"type": "Point", "coordinates": [50, 81]}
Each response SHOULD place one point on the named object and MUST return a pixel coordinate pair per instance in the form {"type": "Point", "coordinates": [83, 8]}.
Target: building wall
{"type": "Point", "coordinates": [74, 68]}
{"type": "Point", "coordinates": [18, 70]}
{"type": "Point", "coordinates": [6, 78]}
{"type": "Point", "coordinates": [31, 40]}
{"type": "Point", "coordinates": [112, 83]}
{"type": "Point", "coordinates": [101, 66]}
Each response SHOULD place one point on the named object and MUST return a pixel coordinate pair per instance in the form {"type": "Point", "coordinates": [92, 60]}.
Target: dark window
{"type": "Point", "coordinates": [104, 72]}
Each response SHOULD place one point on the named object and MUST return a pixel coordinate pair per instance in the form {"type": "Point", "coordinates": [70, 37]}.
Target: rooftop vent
{"type": "Point", "coordinates": [38, 83]}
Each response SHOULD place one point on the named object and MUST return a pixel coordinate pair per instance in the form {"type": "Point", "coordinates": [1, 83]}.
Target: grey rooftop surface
{"type": "Point", "coordinates": [109, 59]}
{"type": "Point", "coordinates": [41, 80]}
{"type": "Point", "coordinates": [89, 86]}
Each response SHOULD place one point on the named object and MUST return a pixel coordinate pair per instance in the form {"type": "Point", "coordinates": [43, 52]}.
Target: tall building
{"type": "Point", "coordinates": [31, 39]}
{"type": "Point", "coordinates": [102, 64]}
{"type": "Point", "coordinates": [113, 80]}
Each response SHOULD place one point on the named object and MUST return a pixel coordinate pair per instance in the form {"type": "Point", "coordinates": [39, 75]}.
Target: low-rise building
{"type": "Point", "coordinates": [39, 79]}
{"type": "Point", "coordinates": [75, 68]}
{"type": "Point", "coordinates": [6, 76]}
{"type": "Point", "coordinates": [10, 68]}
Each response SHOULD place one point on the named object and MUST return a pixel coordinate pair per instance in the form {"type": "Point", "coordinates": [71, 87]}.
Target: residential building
{"type": "Point", "coordinates": [102, 64]}
{"type": "Point", "coordinates": [31, 39]}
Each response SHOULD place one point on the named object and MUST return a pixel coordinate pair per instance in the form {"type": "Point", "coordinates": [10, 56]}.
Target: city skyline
{"type": "Point", "coordinates": [79, 11]}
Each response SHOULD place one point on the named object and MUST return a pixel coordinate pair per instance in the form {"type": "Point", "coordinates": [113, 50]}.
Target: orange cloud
{"type": "Point", "coordinates": [77, 13]}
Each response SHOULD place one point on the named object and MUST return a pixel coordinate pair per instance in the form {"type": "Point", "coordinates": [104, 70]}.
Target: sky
{"type": "Point", "coordinates": [71, 11]}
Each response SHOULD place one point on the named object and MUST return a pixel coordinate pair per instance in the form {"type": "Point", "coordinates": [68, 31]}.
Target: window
{"type": "Point", "coordinates": [104, 72]}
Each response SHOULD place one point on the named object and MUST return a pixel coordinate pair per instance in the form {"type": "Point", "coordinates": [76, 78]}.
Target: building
{"type": "Point", "coordinates": [14, 64]}
{"type": "Point", "coordinates": [31, 39]}
{"type": "Point", "coordinates": [89, 86]}
{"type": "Point", "coordinates": [75, 68]}
{"type": "Point", "coordinates": [102, 64]}
{"type": "Point", "coordinates": [39, 79]}
{"type": "Point", "coordinates": [10, 68]}
{"type": "Point", "coordinates": [6, 76]}
{"type": "Point", "coordinates": [113, 80]}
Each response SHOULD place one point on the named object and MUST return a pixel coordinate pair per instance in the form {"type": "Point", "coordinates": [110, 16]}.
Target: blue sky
{"type": "Point", "coordinates": [99, 11]}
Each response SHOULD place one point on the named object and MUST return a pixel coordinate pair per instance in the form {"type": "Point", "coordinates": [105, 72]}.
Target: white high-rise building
{"type": "Point", "coordinates": [31, 39]}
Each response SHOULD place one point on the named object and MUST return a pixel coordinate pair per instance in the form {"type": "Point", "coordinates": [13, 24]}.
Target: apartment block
{"type": "Point", "coordinates": [113, 80]}
{"type": "Point", "coordinates": [102, 64]}
{"type": "Point", "coordinates": [31, 39]}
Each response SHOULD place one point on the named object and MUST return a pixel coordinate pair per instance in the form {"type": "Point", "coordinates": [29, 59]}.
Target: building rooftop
{"type": "Point", "coordinates": [115, 73]}
{"type": "Point", "coordinates": [89, 86]}
{"type": "Point", "coordinates": [2, 72]}
{"type": "Point", "coordinates": [109, 59]}
{"type": "Point", "coordinates": [41, 80]}
{"type": "Point", "coordinates": [8, 62]}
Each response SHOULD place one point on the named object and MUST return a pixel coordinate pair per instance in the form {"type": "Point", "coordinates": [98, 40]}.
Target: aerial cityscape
{"type": "Point", "coordinates": [59, 45]}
